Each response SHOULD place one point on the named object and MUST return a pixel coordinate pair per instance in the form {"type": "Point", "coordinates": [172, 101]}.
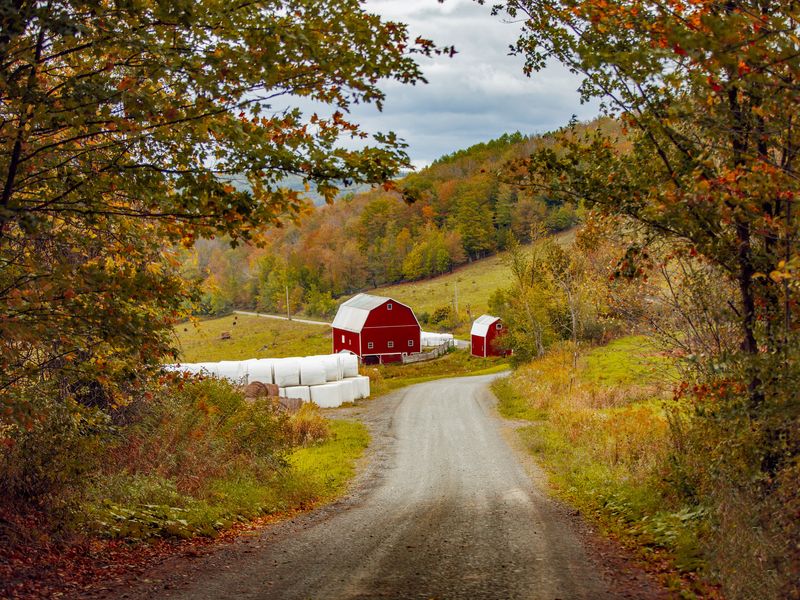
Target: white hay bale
{"type": "Point", "coordinates": [326, 395]}
{"type": "Point", "coordinates": [298, 391]}
{"type": "Point", "coordinates": [362, 385]}
{"type": "Point", "coordinates": [312, 371]}
{"type": "Point", "coordinates": [234, 371]}
{"type": "Point", "coordinates": [286, 372]}
{"type": "Point", "coordinates": [331, 364]}
{"type": "Point", "coordinates": [349, 365]}
{"type": "Point", "coordinates": [260, 369]}
{"type": "Point", "coordinates": [349, 390]}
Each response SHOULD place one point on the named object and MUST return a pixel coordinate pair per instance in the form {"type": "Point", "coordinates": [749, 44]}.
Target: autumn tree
{"type": "Point", "coordinates": [123, 127]}
{"type": "Point", "coordinates": [707, 92]}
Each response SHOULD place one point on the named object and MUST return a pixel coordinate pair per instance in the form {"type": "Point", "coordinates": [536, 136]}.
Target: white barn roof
{"type": "Point", "coordinates": [352, 314]}
{"type": "Point", "coordinates": [480, 326]}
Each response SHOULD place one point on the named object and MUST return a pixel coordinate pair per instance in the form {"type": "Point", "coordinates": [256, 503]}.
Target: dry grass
{"type": "Point", "coordinates": [308, 426]}
{"type": "Point", "coordinates": [603, 434]}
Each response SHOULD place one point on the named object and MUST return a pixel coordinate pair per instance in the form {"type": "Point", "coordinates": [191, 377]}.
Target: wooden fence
{"type": "Point", "coordinates": [423, 356]}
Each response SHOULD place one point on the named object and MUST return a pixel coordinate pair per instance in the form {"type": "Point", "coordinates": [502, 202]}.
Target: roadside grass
{"type": "Point", "coordinates": [208, 459]}
{"type": "Point", "coordinates": [325, 469]}
{"type": "Point", "coordinates": [251, 337]}
{"type": "Point", "coordinates": [456, 363]}
{"type": "Point", "coordinates": [476, 281]}
{"type": "Point", "coordinates": [602, 435]}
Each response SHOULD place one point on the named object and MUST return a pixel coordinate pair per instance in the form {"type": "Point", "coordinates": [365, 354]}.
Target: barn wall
{"type": "Point", "coordinates": [349, 343]}
{"type": "Point", "coordinates": [477, 345]}
{"type": "Point", "coordinates": [491, 336]}
{"type": "Point", "coordinates": [381, 336]}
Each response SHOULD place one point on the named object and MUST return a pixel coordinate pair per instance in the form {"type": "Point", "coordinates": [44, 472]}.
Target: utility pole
{"type": "Point", "coordinates": [288, 314]}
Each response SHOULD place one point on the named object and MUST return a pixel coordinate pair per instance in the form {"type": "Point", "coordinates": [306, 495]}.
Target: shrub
{"type": "Point", "coordinates": [42, 465]}
{"type": "Point", "coordinates": [202, 430]}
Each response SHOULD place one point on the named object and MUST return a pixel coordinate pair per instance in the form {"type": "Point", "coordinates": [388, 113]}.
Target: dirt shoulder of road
{"type": "Point", "coordinates": [628, 576]}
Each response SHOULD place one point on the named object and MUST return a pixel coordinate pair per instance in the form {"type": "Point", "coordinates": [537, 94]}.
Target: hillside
{"type": "Point", "coordinates": [452, 213]}
{"type": "Point", "coordinates": [475, 283]}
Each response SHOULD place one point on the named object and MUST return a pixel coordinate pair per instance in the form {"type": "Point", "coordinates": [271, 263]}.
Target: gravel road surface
{"type": "Point", "coordinates": [444, 508]}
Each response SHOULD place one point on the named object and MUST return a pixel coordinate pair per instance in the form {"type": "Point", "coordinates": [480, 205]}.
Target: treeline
{"type": "Point", "coordinates": [458, 209]}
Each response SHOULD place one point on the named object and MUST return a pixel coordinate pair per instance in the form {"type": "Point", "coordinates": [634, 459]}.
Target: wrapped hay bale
{"type": "Point", "coordinates": [360, 385]}
{"type": "Point", "coordinates": [302, 392]}
{"type": "Point", "coordinates": [363, 385]}
{"type": "Point", "coordinates": [348, 388]}
{"type": "Point", "coordinates": [349, 365]}
{"type": "Point", "coordinates": [193, 368]}
{"type": "Point", "coordinates": [332, 366]}
{"type": "Point", "coordinates": [326, 395]}
{"type": "Point", "coordinates": [286, 372]}
{"type": "Point", "coordinates": [209, 369]}
{"type": "Point", "coordinates": [232, 370]}
{"type": "Point", "coordinates": [312, 371]}
{"type": "Point", "coordinates": [260, 369]}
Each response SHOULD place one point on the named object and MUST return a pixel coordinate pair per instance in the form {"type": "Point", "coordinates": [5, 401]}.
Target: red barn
{"type": "Point", "coordinates": [486, 330]}
{"type": "Point", "coordinates": [377, 329]}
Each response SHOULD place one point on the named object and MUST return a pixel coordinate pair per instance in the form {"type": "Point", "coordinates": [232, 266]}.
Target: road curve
{"type": "Point", "coordinates": [280, 318]}
{"type": "Point", "coordinates": [444, 509]}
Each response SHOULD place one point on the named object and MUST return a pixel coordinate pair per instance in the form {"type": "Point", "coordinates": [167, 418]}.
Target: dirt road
{"type": "Point", "coordinates": [444, 508]}
{"type": "Point", "coordinates": [280, 317]}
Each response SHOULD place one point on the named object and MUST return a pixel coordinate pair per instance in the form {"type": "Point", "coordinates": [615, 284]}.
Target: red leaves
{"type": "Point", "coordinates": [713, 84]}
{"type": "Point", "coordinates": [126, 83]}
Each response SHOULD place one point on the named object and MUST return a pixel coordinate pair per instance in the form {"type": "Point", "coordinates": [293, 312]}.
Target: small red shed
{"type": "Point", "coordinates": [377, 329]}
{"type": "Point", "coordinates": [486, 331]}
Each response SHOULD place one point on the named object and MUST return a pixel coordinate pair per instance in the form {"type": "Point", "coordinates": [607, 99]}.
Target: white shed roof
{"type": "Point", "coordinates": [352, 314]}
{"type": "Point", "coordinates": [480, 326]}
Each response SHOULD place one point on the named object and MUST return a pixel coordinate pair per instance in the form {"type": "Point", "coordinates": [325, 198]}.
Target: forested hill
{"type": "Point", "coordinates": [462, 210]}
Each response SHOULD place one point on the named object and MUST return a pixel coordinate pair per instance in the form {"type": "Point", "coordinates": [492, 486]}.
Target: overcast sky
{"type": "Point", "coordinates": [477, 95]}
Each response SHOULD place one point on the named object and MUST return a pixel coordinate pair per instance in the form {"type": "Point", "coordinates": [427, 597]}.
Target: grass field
{"type": "Point", "coordinates": [474, 283]}
{"type": "Point", "coordinates": [629, 360]}
{"type": "Point", "coordinates": [251, 337]}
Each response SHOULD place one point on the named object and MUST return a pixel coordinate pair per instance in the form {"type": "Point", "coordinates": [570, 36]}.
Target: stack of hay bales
{"type": "Point", "coordinates": [328, 380]}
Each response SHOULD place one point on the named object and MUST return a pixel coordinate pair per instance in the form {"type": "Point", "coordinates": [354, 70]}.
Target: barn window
{"type": "Point", "coordinates": [499, 326]}
{"type": "Point", "coordinates": [390, 344]}
{"type": "Point", "coordinates": [410, 343]}
{"type": "Point", "coordinates": [370, 345]}
{"type": "Point", "coordinates": [389, 306]}
{"type": "Point", "coordinates": [343, 338]}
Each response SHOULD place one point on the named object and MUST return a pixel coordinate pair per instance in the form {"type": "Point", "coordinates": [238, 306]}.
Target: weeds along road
{"type": "Point", "coordinates": [444, 508]}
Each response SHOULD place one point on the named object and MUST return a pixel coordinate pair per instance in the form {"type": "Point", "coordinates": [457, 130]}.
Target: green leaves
{"type": "Point", "coordinates": [121, 126]}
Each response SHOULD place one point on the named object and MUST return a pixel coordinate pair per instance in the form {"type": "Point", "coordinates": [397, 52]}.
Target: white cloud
{"type": "Point", "coordinates": [477, 95]}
